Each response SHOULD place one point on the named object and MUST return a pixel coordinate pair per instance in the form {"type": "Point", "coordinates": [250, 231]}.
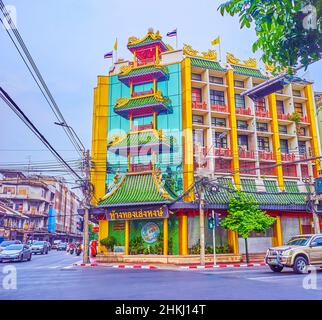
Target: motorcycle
{"type": "Point", "coordinates": [71, 250]}
{"type": "Point", "coordinates": [78, 251]}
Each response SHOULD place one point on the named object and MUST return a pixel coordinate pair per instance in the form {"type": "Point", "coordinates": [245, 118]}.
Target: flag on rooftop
{"type": "Point", "coordinates": [172, 33]}
{"type": "Point", "coordinates": [216, 41]}
{"type": "Point", "coordinates": [108, 55]}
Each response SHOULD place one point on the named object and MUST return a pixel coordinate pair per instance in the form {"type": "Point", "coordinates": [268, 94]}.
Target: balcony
{"type": "Point", "coordinates": [141, 167]}
{"type": "Point", "coordinates": [266, 156]}
{"type": "Point", "coordinates": [219, 108]}
{"type": "Point", "coordinates": [305, 119]}
{"type": "Point", "coordinates": [283, 116]}
{"type": "Point", "coordinates": [223, 152]}
{"type": "Point", "coordinates": [143, 93]}
{"type": "Point", "coordinates": [260, 113]}
{"type": "Point", "coordinates": [199, 105]}
{"type": "Point", "coordinates": [246, 154]}
{"type": "Point", "coordinates": [143, 62]}
{"type": "Point", "coordinates": [288, 157]}
{"type": "Point", "coordinates": [244, 112]}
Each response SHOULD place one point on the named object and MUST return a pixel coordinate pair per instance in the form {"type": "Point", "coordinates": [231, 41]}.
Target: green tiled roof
{"type": "Point", "coordinates": [207, 64]}
{"type": "Point", "coordinates": [140, 138]}
{"type": "Point", "coordinates": [245, 71]}
{"type": "Point", "coordinates": [144, 101]}
{"type": "Point", "coordinates": [137, 188]}
{"type": "Point", "coordinates": [147, 40]}
{"type": "Point", "coordinates": [145, 70]}
{"type": "Point", "coordinates": [272, 196]}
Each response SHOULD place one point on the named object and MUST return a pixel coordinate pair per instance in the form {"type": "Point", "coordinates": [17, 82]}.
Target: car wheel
{"type": "Point", "coordinates": [300, 265]}
{"type": "Point", "coordinates": [21, 258]}
{"type": "Point", "coordinates": [42, 252]}
{"type": "Point", "coordinates": [276, 268]}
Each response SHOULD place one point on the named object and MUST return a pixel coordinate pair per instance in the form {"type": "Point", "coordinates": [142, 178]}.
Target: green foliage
{"type": "Point", "coordinates": [109, 243]}
{"type": "Point", "coordinates": [280, 30]}
{"type": "Point", "coordinates": [195, 249]}
{"type": "Point", "coordinates": [245, 216]}
{"type": "Point", "coordinates": [137, 246]}
{"type": "Point", "coordinates": [295, 116]}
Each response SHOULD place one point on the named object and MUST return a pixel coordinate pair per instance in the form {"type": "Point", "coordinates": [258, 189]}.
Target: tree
{"type": "Point", "coordinates": [245, 216]}
{"type": "Point", "coordinates": [289, 31]}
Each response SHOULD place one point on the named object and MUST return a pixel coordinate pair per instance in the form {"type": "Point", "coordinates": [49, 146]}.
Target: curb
{"type": "Point", "coordinates": [134, 267]}
{"type": "Point", "coordinates": [221, 266]}
{"type": "Point", "coordinates": [85, 264]}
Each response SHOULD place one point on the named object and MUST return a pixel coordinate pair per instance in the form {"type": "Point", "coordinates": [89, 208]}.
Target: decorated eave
{"type": "Point", "coordinates": [141, 143]}
{"type": "Point", "coordinates": [143, 188]}
{"type": "Point", "coordinates": [152, 39]}
{"type": "Point", "coordinates": [142, 74]}
{"type": "Point", "coordinates": [142, 106]}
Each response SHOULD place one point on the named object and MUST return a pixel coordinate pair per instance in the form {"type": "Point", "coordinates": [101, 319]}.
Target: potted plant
{"type": "Point", "coordinates": [109, 243]}
{"type": "Point", "coordinates": [296, 118]}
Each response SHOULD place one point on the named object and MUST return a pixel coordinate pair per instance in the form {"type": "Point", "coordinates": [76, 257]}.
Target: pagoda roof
{"type": "Point", "coordinates": [207, 64]}
{"type": "Point", "coordinates": [142, 74]}
{"type": "Point", "coordinates": [141, 106]}
{"type": "Point", "coordinates": [151, 38]}
{"type": "Point", "coordinates": [137, 188]}
{"type": "Point", "coordinates": [246, 71]}
{"type": "Point", "coordinates": [142, 143]}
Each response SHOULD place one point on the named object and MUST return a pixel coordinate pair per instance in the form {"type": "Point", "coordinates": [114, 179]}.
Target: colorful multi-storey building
{"type": "Point", "coordinates": [168, 116]}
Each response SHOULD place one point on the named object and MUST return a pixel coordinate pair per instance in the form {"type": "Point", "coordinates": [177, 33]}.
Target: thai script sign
{"type": "Point", "coordinates": [138, 214]}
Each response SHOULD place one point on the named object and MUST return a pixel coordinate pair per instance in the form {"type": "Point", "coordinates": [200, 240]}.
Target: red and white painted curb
{"type": "Point", "coordinates": [85, 264]}
{"type": "Point", "coordinates": [134, 267]}
{"type": "Point", "coordinates": [221, 266]}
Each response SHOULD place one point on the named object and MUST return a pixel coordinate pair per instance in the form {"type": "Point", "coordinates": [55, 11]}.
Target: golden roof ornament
{"type": "Point", "coordinates": [250, 62]}
{"type": "Point", "coordinates": [210, 54]}
{"type": "Point", "coordinates": [189, 51]}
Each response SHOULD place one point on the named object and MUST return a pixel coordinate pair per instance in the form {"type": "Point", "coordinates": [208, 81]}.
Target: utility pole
{"type": "Point", "coordinates": [316, 220]}
{"type": "Point", "coordinates": [202, 223]}
{"type": "Point", "coordinates": [87, 193]}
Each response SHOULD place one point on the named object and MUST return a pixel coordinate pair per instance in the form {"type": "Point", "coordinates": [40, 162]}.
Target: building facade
{"type": "Point", "coordinates": [167, 117]}
{"type": "Point", "coordinates": [50, 206]}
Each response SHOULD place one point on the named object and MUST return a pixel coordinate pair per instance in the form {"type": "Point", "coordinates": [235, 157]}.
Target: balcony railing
{"type": "Point", "coordinates": [305, 119]}
{"type": "Point", "coordinates": [143, 93]}
{"type": "Point", "coordinates": [303, 156]}
{"type": "Point", "coordinates": [140, 167]}
{"type": "Point", "coordinates": [142, 62]}
{"type": "Point", "coordinates": [288, 156]}
{"type": "Point", "coordinates": [282, 116]}
{"type": "Point", "coordinates": [219, 108]}
{"type": "Point", "coordinates": [244, 112]}
{"type": "Point", "coordinates": [221, 152]}
{"type": "Point", "coordinates": [262, 113]}
{"type": "Point", "coordinates": [246, 154]}
{"type": "Point", "coordinates": [266, 155]}
{"type": "Point", "coordinates": [199, 105]}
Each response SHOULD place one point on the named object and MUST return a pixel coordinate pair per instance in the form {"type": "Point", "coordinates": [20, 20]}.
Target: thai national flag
{"type": "Point", "coordinates": [109, 55]}
{"type": "Point", "coordinates": [172, 33]}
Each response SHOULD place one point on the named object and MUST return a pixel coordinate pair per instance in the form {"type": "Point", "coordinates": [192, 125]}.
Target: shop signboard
{"type": "Point", "coordinates": [138, 213]}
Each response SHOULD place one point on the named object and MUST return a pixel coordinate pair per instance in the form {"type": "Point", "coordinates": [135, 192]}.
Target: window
{"type": "Point", "coordinates": [243, 142]}
{"type": "Point", "coordinates": [318, 241]}
{"type": "Point", "coordinates": [284, 146]}
{"type": "Point", "coordinates": [220, 143]}
{"type": "Point", "coordinates": [196, 95]}
{"type": "Point", "coordinates": [280, 106]}
{"type": "Point", "coordinates": [263, 144]}
{"type": "Point", "coordinates": [197, 119]}
{"type": "Point", "coordinates": [196, 76]}
{"type": "Point", "coordinates": [302, 147]}
{"type": "Point", "coordinates": [261, 105]}
{"type": "Point", "coordinates": [262, 126]}
{"type": "Point", "coordinates": [218, 122]}
{"type": "Point", "coordinates": [240, 101]}
{"type": "Point", "coordinates": [242, 125]}
{"type": "Point", "coordinates": [217, 80]}
{"type": "Point", "coordinates": [239, 83]}
{"type": "Point", "coordinates": [282, 129]}
{"type": "Point", "coordinates": [11, 190]}
{"type": "Point", "coordinates": [299, 108]}
{"type": "Point", "coordinates": [297, 93]}
{"type": "Point", "coordinates": [217, 97]}
{"type": "Point", "coordinates": [198, 137]}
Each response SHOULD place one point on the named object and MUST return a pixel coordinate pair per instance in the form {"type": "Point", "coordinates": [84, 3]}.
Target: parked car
{"type": "Point", "coordinates": [16, 252]}
{"type": "Point", "coordinates": [55, 244]}
{"type": "Point", "coordinates": [39, 247]}
{"type": "Point", "coordinates": [298, 253]}
{"type": "Point", "coordinates": [4, 244]}
{"type": "Point", "coordinates": [62, 246]}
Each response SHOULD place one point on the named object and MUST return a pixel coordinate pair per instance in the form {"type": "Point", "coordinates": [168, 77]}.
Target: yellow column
{"type": "Point", "coordinates": [134, 58]}
{"type": "Point", "coordinates": [127, 237]}
{"type": "Point", "coordinates": [233, 241]}
{"type": "Point", "coordinates": [276, 140]}
{"type": "Point", "coordinates": [154, 120]}
{"type": "Point", "coordinates": [300, 225]}
{"type": "Point", "coordinates": [187, 143]}
{"type": "Point", "coordinates": [233, 126]}
{"type": "Point", "coordinates": [131, 88]}
{"type": "Point", "coordinates": [165, 237]}
{"type": "Point", "coordinates": [99, 137]}
{"type": "Point", "coordinates": [313, 129]}
{"type": "Point", "coordinates": [277, 229]}
{"type": "Point", "coordinates": [154, 85]}
{"type": "Point", "coordinates": [103, 233]}
{"type": "Point", "coordinates": [157, 58]}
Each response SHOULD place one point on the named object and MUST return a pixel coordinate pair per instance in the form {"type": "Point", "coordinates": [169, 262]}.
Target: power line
{"type": "Point", "coordinates": [73, 137]}
{"type": "Point", "coordinates": [7, 99]}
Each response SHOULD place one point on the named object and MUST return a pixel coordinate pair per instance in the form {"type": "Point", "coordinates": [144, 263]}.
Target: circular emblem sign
{"type": "Point", "coordinates": [150, 232]}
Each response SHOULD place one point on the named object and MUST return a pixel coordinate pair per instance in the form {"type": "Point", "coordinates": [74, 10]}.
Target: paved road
{"type": "Point", "coordinates": [54, 277]}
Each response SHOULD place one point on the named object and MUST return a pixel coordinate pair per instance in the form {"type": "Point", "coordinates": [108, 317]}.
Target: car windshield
{"type": "Point", "coordinates": [14, 247]}
{"type": "Point", "coordinates": [38, 243]}
{"type": "Point", "coordinates": [298, 241]}
{"type": "Point", "coordinates": [6, 243]}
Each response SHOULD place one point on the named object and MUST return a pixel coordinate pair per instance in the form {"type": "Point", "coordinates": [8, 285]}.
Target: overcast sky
{"type": "Point", "coordinates": [68, 38]}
